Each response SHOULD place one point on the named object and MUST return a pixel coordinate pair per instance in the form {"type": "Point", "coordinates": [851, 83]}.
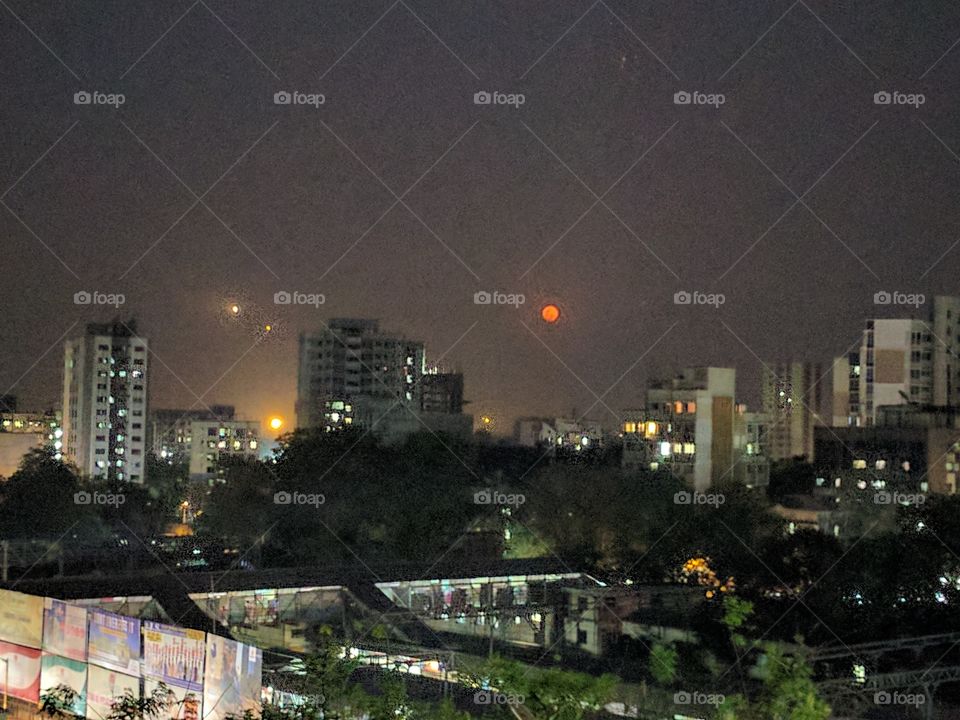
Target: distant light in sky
{"type": "Point", "coordinates": [550, 313]}
{"type": "Point", "coordinates": [276, 423]}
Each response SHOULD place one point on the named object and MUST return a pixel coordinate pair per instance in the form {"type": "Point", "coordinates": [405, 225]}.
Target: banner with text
{"type": "Point", "coordinates": [174, 655]}
{"type": "Point", "coordinates": [186, 703]}
{"type": "Point", "coordinates": [232, 678]}
{"type": "Point", "coordinates": [103, 687]}
{"type": "Point", "coordinates": [20, 666]}
{"type": "Point", "coordinates": [56, 671]}
{"type": "Point", "coordinates": [113, 641]}
{"type": "Point", "coordinates": [21, 619]}
{"type": "Point", "coordinates": [64, 629]}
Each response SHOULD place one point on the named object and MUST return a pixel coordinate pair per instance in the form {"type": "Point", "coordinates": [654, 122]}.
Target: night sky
{"type": "Point", "coordinates": [299, 198]}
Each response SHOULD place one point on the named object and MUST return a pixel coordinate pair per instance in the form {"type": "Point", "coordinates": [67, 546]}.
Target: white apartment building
{"type": "Point", "coordinates": [687, 426]}
{"type": "Point", "coordinates": [900, 360]}
{"type": "Point", "coordinates": [105, 402]}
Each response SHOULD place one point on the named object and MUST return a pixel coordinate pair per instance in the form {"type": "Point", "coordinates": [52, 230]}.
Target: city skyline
{"type": "Point", "coordinates": [502, 196]}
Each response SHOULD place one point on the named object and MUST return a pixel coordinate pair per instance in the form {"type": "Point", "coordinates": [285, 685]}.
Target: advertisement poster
{"type": "Point", "coordinates": [232, 678]}
{"type": "Point", "coordinates": [21, 618]}
{"type": "Point", "coordinates": [64, 629]}
{"type": "Point", "coordinates": [21, 668]}
{"type": "Point", "coordinates": [186, 702]}
{"type": "Point", "coordinates": [174, 655]}
{"type": "Point", "coordinates": [113, 641]}
{"type": "Point", "coordinates": [103, 687]}
{"type": "Point", "coordinates": [56, 671]}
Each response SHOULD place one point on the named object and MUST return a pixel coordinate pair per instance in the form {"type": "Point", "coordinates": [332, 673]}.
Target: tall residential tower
{"type": "Point", "coordinates": [105, 402]}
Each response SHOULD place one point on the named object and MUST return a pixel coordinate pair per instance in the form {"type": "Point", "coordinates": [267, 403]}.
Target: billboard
{"type": "Point", "coordinates": [186, 702]}
{"type": "Point", "coordinates": [55, 671]}
{"type": "Point", "coordinates": [21, 619]}
{"type": "Point", "coordinates": [103, 687]}
{"type": "Point", "coordinates": [64, 629]}
{"type": "Point", "coordinates": [174, 655]}
{"type": "Point", "coordinates": [113, 641]}
{"type": "Point", "coordinates": [231, 679]}
{"type": "Point", "coordinates": [20, 666]}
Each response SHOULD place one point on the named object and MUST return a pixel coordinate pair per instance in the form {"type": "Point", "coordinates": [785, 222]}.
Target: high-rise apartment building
{"type": "Point", "coordinates": [901, 361]}
{"type": "Point", "coordinates": [351, 369]}
{"type": "Point", "coordinates": [794, 402]}
{"type": "Point", "coordinates": [846, 390]}
{"type": "Point", "coordinates": [105, 402]}
{"type": "Point", "coordinates": [687, 425]}
{"type": "Point", "coordinates": [945, 327]}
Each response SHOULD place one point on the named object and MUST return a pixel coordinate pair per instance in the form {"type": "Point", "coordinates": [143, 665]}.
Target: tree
{"type": "Point", "coordinates": [40, 500]}
{"type": "Point", "coordinates": [543, 693]}
{"type": "Point", "coordinates": [663, 663]}
{"type": "Point", "coordinates": [149, 707]}
{"type": "Point", "coordinates": [59, 702]}
{"type": "Point", "coordinates": [788, 691]}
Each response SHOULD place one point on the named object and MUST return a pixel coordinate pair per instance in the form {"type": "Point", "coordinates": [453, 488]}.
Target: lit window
{"type": "Point", "coordinates": [651, 429]}
{"type": "Point", "coordinates": [689, 448]}
{"type": "Point", "coordinates": [859, 464]}
{"type": "Point", "coordinates": [630, 427]}
{"type": "Point", "coordinates": [881, 464]}
{"type": "Point", "coordinates": [691, 407]}
{"type": "Point", "coordinates": [678, 407]}
{"type": "Point", "coordinates": [665, 449]}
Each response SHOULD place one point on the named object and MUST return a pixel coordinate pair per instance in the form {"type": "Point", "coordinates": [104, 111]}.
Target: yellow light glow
{"type": "Point", "coordinates": [235, 309]}
{"type": "Point", "coordinates": [276, 423]}
{"type": "Point", "coordinates": [268, 328]}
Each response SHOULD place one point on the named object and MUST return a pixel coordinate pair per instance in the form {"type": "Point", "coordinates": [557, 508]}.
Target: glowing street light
{"type": "Point", "coordinates": [276, 423]}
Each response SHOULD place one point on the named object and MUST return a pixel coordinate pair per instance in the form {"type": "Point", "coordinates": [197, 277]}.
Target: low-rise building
{"type": "Point", "coordinates": [213, 442]}
{"type": "Point", "coordinates": [558, 433]}
{"type": "Point", "coordinates": [911, 449]}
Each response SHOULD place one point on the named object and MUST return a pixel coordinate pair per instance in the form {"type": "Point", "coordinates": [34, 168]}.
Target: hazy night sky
{"type": "Point", "coordinates": [399, 81]}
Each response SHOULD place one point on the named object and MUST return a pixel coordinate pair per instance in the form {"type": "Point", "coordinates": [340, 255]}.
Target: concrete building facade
{"type": "Point", "coordinates": [105, 402]}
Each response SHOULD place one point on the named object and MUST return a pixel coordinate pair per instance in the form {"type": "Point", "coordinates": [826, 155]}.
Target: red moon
{"type": "Point", "coordinates": [550, 314]}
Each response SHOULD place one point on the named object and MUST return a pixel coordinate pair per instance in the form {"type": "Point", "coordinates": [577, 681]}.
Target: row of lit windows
{"type": "Point", "coordinates": [860, 464]}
